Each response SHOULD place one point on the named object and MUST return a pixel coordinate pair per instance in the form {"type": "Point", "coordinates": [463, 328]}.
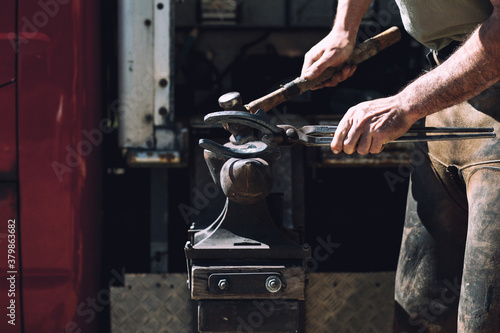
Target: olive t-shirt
{"type": "Point", "coordinates": [436, 23]}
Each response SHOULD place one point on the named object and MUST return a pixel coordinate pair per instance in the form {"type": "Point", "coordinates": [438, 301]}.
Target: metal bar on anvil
{"type": "Point", "coordinates": [247, 252]}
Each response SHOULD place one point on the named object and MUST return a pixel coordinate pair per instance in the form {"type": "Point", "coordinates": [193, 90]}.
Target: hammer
{"type": "Point", "coordinates": [367, 49]}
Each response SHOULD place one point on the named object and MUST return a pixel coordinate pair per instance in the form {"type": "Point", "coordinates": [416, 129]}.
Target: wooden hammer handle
{"type": "Point", "coordinates": [362, 52]}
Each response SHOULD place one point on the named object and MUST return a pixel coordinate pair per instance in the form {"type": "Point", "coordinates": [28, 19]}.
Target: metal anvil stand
{"type": "Point", "coordinates": [245, 273]}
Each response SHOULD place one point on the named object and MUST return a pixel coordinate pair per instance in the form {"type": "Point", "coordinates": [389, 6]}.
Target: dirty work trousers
{"type": "Point", "coordinates": [448, 275]}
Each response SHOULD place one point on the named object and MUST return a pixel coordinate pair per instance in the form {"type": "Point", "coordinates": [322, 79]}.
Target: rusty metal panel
{"type": "Point", "coordinates": [145, 85]}
{"type": "Point", "coordinates": [145, 78]}
{"type": "Point", "coordinates": [163, 63]}
{"type": "Point", "coordinates": [350, 302]}
{"type": "Point", "coordinates": [158, 303]}
{"type": "Point", "coordinates": [136, 73]}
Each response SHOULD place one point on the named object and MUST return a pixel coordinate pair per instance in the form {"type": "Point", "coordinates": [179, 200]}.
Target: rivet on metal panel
{"type": "Point", "coordinates": [159, 6]}
{"type": "Point", "coordinates": [147, 22]}
{"type": "Point", "coordinates": [163, 111]}
{"type": "Point", "coordinates": [223, 284]}
{"type": "Point", "coordinates": [163, 83]}
{"type": "Point", "coordinates": [273, 284]}
{"type": "Point", "coordinates": [149, 118]}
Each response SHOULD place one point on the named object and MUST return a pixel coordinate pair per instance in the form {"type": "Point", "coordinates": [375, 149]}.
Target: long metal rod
{"type": "Point", "coordinates": [444, 137]}
{"type": "Point", "coordinates": [326, 129]}
{"type": "Point", "coordinates": [326, 141]}
{"type": "Point", "coordinates": [450, 130]}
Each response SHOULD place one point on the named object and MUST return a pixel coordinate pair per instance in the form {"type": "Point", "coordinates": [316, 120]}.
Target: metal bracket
{"type": "Point", "coordinates": [245, 283]}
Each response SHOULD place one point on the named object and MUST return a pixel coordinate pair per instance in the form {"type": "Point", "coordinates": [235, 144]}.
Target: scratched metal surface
{"type": "Point", "coordinates": [152, 303]}
{"type": "Point", "coordinates": [350, 302]}
{"type": "Point", "coordinates": [335, 303]}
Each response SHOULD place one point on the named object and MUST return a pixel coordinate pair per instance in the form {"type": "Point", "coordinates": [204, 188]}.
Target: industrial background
{"type": "Point", "coordinates": [100, 167]}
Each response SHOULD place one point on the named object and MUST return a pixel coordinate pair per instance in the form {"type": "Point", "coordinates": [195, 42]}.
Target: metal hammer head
{"type": "Point", "coordinates": [241, 134]}
{"type": "Point", "coordinates": [231, 101]}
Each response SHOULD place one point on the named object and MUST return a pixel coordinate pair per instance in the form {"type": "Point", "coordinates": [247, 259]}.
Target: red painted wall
{"type": "Point", "coordinates": [10, 271]}
{"type": "Point", "coordinates": [7, 41]}
{"type": "Point", "coordinates": [58, 82]}
{"type": "Point", "coordinates": [8, 167]}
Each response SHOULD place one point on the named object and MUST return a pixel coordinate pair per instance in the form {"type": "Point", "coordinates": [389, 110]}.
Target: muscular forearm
{"type": "Point", "coordinates": [348, 17]}
{"type": "Point", "coordinates": [470, 70]}
{"type": "Point", "coordinates": [337, 46]}
{"type": "Point", "coordinates": [368, 126]}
